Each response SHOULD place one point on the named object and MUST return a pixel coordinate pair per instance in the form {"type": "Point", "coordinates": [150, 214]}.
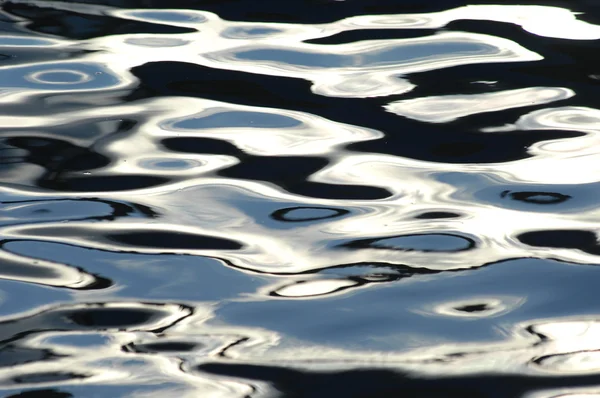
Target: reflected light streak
{"type": "Point", "coordinates": [444, 109]}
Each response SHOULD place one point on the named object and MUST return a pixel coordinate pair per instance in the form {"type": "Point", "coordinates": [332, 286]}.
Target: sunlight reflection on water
{"type": "Point", "coordinates": [198, 205]}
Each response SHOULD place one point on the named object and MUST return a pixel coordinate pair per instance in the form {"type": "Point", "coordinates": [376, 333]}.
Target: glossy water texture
{"type": "Point", "coordinates": [309, 198]}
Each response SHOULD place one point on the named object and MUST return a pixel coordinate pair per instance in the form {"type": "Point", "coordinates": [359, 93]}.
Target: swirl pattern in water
{"type": "Point", "coordinates": [305, 198]}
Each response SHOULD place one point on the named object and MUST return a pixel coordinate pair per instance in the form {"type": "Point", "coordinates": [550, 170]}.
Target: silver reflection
{"type": "Point", "coordinates": [448, 108]}
{"type": "Point", "coordinates": [141, 287]}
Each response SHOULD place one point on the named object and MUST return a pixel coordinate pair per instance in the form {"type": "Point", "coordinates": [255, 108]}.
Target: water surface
{"type": "Point", "coordinates": [299, 199]}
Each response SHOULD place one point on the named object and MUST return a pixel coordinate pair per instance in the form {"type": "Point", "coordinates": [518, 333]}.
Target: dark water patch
{"type": "Point", "coordinates": [173, 240]}
{"type": "Point", "coordinates": [201, 146]}
{"type": "Point", "coordinates": [58, 156]}
{"type": "Point", "coordinates": [585, 241]}
{"type": "Point", "coordinates": [138, 238]}
{"type": "Point", "coordinates": [473, 308]}
{"type": "Point", "coordinates": [464, 147]}
{"type": "Point", "coordinates": [385, 383]}
{"type": "Point", "coordinates": [282, 170]}
{"type": "Point", "coordinates": [178, 78]}
{"type": "Point", "coordinates": [162, 347]}
{"type": "Point", "coordinates": [304, 11]}
{"type": "Point", "coordinates": [43, 393]}
{"type": "Point", "coordinates": [110, 318]}
{"type": "Point", "coordinates": [342, 192]}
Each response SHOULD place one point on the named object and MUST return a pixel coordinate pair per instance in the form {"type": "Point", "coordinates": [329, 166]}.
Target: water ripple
{"type": "Point", "coordinates": [312, 198]}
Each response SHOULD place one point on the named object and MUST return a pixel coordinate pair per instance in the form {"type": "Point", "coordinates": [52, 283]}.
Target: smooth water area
{"type": "Point", "coordinates": [304, 198]}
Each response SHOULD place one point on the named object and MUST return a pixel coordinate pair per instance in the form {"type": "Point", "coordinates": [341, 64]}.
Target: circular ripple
{"type": "Point", "coordinates": [59, 76]}
{"type": "Point", "coordinates": [67, 76]}
{"type": "Point", "coordinates": [475, 308]}
{"type": "Point", "coordinates": [538, 198]}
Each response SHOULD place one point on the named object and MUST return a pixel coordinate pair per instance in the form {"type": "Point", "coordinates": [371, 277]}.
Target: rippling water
{"type": "Point", "coordinates": [307, 198]}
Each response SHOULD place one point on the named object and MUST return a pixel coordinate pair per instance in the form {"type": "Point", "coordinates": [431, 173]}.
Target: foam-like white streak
{"type": "Point", "coordinates": [441, 109]}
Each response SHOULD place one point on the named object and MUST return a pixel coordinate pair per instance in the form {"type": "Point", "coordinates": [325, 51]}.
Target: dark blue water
{"type": "Point", "coordinates": [316, 198]}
